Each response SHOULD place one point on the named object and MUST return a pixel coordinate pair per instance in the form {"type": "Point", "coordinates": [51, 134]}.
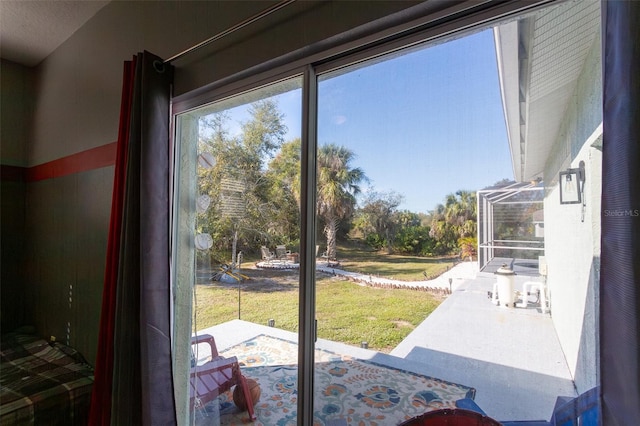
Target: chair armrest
{"type": "Point", "coordinates": [218, 363]}
{"type": "Point", "coordinates": [206, 338]}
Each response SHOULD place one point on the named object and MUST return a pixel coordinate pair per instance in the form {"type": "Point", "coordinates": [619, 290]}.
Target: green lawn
{"type": "Point", "coordinates": [407, 268]}
{"type": "Point", "coordinates": [346, 312]}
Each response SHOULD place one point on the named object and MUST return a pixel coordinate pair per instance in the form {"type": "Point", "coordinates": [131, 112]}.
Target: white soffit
{"type": "Point", "coordinates": [506, 40]}
{"type": "Point", "coordinates": [31, 30]}
{"type": "Point", "coordinates": [552, 48]}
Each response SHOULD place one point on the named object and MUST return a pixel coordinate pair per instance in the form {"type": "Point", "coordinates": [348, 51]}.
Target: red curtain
{"type": "Point", "coordinates": [133, 374]}
{"type": "Point", "coordinates": [100, 413]}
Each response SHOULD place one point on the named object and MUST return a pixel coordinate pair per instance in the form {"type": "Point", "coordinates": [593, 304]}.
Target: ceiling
{"type": "Point", "coordinates": [31, 30]}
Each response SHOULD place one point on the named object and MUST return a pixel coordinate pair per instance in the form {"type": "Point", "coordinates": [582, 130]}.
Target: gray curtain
{"type": "Point", "coordinates": [620, 267]}
{"type": "Point", "coordinates": [142, 374]}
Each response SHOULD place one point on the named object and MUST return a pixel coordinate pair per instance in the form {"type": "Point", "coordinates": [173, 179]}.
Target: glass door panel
{"type": "Point", "coordinates": [415, 172]}
{"type": "Point", "coordinates": [435, 166]}
{"type": "Point", "coordinates": [238, 241]}
{"type": "Point", "coordinates": [404, 141]}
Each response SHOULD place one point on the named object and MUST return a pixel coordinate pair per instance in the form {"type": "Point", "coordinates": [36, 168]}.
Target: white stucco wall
{"type": "Point", "coordinates": [572, 232]}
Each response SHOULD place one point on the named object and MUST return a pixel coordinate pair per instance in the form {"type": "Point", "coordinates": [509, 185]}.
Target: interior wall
{"type": "Point", "coordinates": [76, 108]}
{"type": "Point", "coordinates": [572, 245]}
{"type": "Point", "coordinates": [15, 108]}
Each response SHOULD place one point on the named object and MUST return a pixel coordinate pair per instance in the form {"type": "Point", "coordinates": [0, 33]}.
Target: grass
{"type": "Point", "coordinates": [354, 257]}
{"type": "Point", "coordinates": [346, 312]}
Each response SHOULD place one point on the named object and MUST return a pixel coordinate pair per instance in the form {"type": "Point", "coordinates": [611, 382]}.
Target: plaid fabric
{"type": "Point", "coordinates": [42, 383]}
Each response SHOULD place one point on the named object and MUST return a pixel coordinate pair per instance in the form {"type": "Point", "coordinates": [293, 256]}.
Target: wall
{"type": "Point", "coordinates": [76, 106]}
{"type": "Point", "coordinates": [572, 246]}
{"type": "Point", "coordinates": [15, 110]}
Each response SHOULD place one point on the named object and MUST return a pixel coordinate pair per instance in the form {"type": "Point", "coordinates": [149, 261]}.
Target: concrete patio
{"type": "Point", "coordinates": [512, 357]}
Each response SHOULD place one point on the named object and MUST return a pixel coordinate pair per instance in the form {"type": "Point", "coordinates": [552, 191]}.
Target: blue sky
{"type": "Point", "coordinates": [424, 124]}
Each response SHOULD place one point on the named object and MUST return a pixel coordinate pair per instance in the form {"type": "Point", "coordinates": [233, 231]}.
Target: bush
{"type": "Point", "coordinates": [375, 241]}
{"type": "Point", "coordinates": [414, 240]}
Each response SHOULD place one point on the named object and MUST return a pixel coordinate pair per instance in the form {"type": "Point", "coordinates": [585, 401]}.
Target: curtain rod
{"type": "Point", "coordinates": [268, 11]}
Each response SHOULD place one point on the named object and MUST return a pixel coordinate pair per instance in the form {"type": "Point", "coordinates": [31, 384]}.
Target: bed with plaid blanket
{"type": "Point", "coordinates": [42, 383]}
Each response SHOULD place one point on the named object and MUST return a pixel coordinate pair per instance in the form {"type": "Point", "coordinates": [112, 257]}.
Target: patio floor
{"type": "Point", "coordinates": [519, 266]}
{"type": "Point", "coordinates": [512, 357]}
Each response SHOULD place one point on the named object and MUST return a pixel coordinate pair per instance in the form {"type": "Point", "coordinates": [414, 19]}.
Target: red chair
{"type": "Point", "coordinates": [451, 417]}
{"type": "Point", "coordinates": [215, 377]}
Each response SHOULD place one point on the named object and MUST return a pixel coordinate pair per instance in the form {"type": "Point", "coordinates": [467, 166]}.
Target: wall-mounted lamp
{"type": "Point", "coordinates": [572, 185]}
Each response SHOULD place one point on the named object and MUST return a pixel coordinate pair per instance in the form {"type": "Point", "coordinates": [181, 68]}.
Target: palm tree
{"type": "Point", "coordinates": [460, 212]}
{"type": "Point", "coordinates": [337, 189]}
{"type": "Point", "coordinates": [454, 220]}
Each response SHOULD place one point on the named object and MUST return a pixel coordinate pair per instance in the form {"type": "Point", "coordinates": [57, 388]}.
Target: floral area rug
{"type": "Point", "coordinates": [360, 392]}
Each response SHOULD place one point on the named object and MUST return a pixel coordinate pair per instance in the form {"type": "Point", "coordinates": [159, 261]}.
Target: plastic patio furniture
{"type": "Point", "coordinates": [282, 253]}
{"type": "Point", "coordinates": [583, 410]}
{"type": "Point", "coordinates": [267, 254]}
{"type": "Point", "coordinates": [216, 376]}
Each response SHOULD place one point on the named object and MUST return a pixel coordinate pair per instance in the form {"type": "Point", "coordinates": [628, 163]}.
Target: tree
{"type": "Point", "coordinates": [412, 237]}
{"type": "Point", "coordinates": [284, 174]}
{"type": "Point", "coordinates": [338, 185]}
{"type": "Point", "coordinates": [468, 247]}
{"type": "Point", "coordinates": [454, 220]}
{"type": "Point", "coordinates": [237, 184]}
{"type": "Point", "coordinates": [379, 213]}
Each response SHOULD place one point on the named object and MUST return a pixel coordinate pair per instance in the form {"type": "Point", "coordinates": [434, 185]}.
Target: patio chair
{"type": "Point", "coordinates": [216, 376]}
{"type": "Point", "coordinates": [282, 253]}
{"type": "Point", "coordinates": [539, 286]}
{"type": "Point", "coordinates": [583, 410]}
{"type": "Point", "coordinates": [267, 254]}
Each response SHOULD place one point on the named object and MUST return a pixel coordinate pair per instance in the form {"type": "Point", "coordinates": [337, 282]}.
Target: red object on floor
{"type": "Point", "coordinates": [451, 417]}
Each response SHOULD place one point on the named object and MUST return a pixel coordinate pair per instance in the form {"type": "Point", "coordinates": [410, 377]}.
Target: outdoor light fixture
{"type": "Point", "coordinates": [572, 185]}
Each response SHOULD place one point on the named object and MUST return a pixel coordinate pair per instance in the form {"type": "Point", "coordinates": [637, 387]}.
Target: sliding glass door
{"type": "Point", "coordinates": [325, 216]}
{"type": "Point", "coordinates": [239, 187]}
